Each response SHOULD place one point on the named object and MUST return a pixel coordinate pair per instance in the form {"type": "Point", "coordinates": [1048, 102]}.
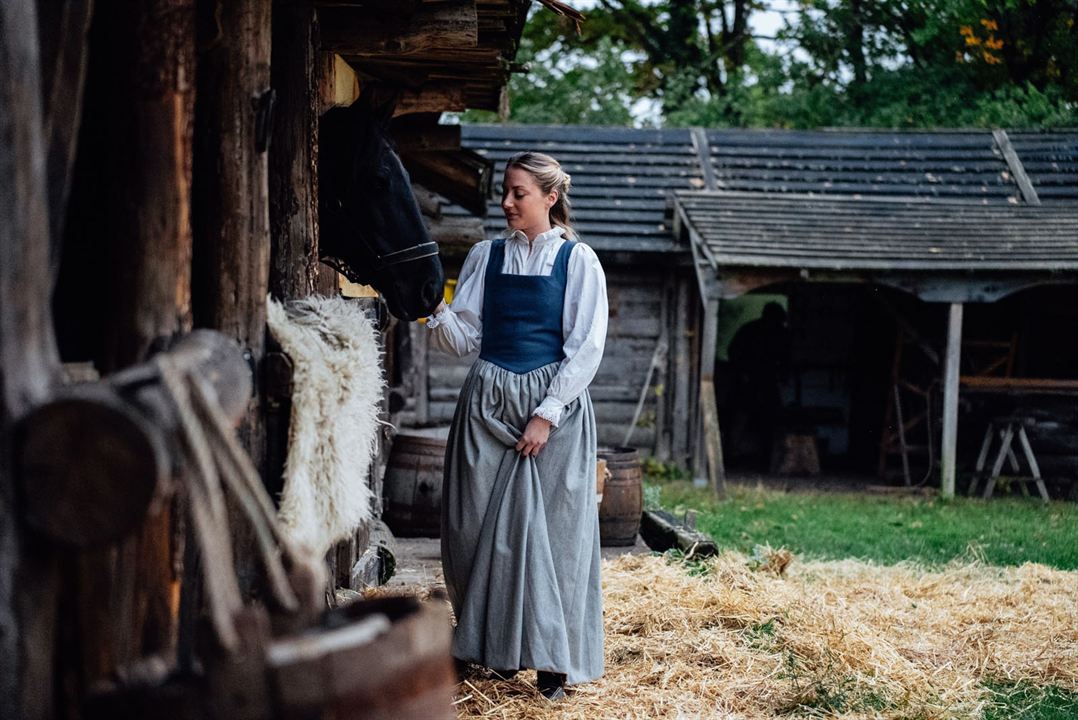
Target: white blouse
{"type": "Point", "coordinates": [458, 329]}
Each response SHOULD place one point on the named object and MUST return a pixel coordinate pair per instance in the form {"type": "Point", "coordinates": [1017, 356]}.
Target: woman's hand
{"type": "Point", "coordinates": [535, 437]}
{"type": "Point", "coordinates": [441, 306]}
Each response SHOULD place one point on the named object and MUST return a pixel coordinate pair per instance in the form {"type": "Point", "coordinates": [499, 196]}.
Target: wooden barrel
{"type": "Point", "coordinates": [412, 490]}
{"type": "Point", "coordinates": [623, 497]}
{"type": "Point", "coordinates": [378, 659]}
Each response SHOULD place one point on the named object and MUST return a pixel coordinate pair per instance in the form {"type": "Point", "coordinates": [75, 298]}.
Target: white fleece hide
{"type": "Point", "coordinates": [337, 388]}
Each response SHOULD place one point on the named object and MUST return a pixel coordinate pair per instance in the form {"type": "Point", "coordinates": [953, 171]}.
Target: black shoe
{"type": "Point", "coordinates": [551, 685]}
{"type": "Point", "coordinates": [461, 668]}
{"type": "Point", "coordinates": [503, 674]}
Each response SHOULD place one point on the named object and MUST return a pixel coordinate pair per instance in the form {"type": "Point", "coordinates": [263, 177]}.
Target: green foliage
{"type": "Point", "coordinates": [824, 691]}
{"type": "Point", "coordinates": [889, 63]}
{"type": "Point", "coordinates": [693, 565]}
{"type": "Point", "coordinates": [652, 496]}
{"type": "Point", "coordinates": [656, 470]}
{"type": "Point", "coordinates": [885, 529]}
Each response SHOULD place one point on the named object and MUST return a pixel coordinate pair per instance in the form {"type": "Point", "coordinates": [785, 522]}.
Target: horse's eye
{"type": "Point", "coordinates": [381, 182]}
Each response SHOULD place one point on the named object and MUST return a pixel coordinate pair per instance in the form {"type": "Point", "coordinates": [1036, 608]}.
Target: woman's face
{"type": "Point", "coordinates": [525, 205]}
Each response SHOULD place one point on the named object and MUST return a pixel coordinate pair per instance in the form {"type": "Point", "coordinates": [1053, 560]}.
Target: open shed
{"type": "Point", "coordinates": [944, 252]}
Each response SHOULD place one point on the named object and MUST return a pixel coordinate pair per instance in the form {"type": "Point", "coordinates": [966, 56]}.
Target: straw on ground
{"type": "Point", "coordinates": [731, 638]}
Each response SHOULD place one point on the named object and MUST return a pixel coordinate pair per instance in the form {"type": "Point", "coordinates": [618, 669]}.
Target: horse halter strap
{"type": "Point", "coordinates": [408, 254]}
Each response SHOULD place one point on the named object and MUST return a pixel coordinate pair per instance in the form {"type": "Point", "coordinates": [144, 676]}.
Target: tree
{"type": "Point", "coordinates": [886, 63]}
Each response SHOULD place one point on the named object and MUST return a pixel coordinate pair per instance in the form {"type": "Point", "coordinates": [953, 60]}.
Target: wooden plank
{"type": "Point", "coordinates": [450, 25]}
{"type": "Point", "coordinates": [979, 383]}
{"type": "Point", "coordinates": [1029, 194]}
{"type": "Point", "coordinates": [950, 400]}
{"type": "Point", "coordinates": [703, 154]}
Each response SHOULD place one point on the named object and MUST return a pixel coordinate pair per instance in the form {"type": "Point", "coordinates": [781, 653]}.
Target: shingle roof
{"type": "Point", "coordinates": [924, 164]}
{"type": "Point", "coordinates": [879, 234]}
{"type": "Point", "coordinates": [622, 177]}
{"type": "Point", "coordinates": [1051, 162]}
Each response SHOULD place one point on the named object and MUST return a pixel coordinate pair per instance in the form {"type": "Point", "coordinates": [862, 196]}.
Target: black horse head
{"type": "Point", "coordinates": [370, 228]}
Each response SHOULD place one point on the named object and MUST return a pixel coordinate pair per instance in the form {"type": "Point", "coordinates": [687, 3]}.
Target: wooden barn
{"type": "Point", "coordinates": [868, 239]}
{"type": "Point", "coordinates": [161, 173]}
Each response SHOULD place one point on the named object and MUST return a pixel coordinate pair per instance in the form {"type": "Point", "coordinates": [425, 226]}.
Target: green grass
{"type": "Point", "coordinates": [1027, 702]}
{"type": "Point", "coordinates": [885, 529]}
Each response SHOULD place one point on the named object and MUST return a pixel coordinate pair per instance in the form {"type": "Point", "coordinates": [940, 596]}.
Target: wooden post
{"type": "Point", "coordinates": [712, 439]}
{"type": "Point", "coordinates": [295, 271]}
{"type": "Point", "coordinates": [136, 158]}
{"type": "Point", "coordinates": [230, 196]}
{"type": "Point", "coordinates": [950, 400]}
{"type": "Point", "coordinates": [680, 374]}
{"type": "Point", "coordinates": [141, 102]}
{"type": "Point", "coordinates": [28, 357]}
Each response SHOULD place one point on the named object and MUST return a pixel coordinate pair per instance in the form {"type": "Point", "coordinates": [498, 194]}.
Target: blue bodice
{"type": "Point", "coordinates": [522, 314]}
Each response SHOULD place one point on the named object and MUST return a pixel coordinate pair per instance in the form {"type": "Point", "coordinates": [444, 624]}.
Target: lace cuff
{"type": "Point", "coordinates": [438, 318]}
{"type": "Point", "coordinates": [550, 410]}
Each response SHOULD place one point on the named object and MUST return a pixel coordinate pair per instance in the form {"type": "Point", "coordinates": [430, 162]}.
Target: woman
{"type": "Point", "coordinates": [520, 532]}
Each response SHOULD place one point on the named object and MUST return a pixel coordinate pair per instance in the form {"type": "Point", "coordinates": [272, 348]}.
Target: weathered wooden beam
{"type": "Point", "coordinates": [662, 531]}
{"type": "Point", "coordinates": [434, 98]}
{"type": "Point", "coordinates": [421, 132]}
{"type": "Point", "coordinates": [136, 154]}
{"type": "Point", "coordinates": [463, 176]}
{"type": "Point", "coordinates": [29, 361]}
{"type": "Point", "coordinates": [950, 400]}
{"type": "Point", "coordinates": [293, 180]}
{"type": "Point", "coordinates": [231, 204]}
{"type": "Point", "coordinates": [338, 84]}
{"type": "Point", "coordinates": [159, 84]}
{"type": "Point", "coordinates": [450, 24]}
{"type": "Point", "coordinates": [1018, 170]}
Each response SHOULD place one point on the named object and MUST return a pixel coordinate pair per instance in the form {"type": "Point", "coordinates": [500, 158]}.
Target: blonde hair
{"type": "Point", "coordinates": [548, 175]}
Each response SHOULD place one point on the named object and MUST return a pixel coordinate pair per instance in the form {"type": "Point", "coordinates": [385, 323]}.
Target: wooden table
{"type": "Point", "coordinates": [1018, 386]}
{"type": "Point", "coordinates": [1012, 428]}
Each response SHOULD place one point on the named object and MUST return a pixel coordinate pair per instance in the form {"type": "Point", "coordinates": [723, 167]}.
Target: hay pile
{"type": "Point", "coordinates": [730, 638]}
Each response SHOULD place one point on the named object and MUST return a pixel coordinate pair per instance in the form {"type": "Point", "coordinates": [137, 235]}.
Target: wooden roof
{"type": "Point", "coordinates": [1051, 162]}
{"type": "Point", "coordinates": [622, 177]}
{"type": "Point", "coordinates": [756, 230]}
{"type": "Point", "coordinates": [444, 55]}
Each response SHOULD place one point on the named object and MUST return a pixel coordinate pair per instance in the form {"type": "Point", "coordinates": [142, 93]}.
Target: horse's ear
{"type": "Point", "coordinates": [380, 102]}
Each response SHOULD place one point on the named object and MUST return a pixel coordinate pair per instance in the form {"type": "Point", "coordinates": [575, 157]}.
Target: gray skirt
{"type": "Point", "coordinates": [520, 536]}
